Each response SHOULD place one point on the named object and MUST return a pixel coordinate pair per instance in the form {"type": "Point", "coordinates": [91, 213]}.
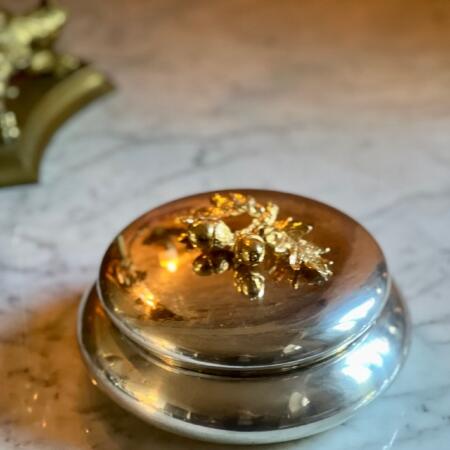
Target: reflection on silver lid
{"type": "Point", "coordinates": [150, 290]}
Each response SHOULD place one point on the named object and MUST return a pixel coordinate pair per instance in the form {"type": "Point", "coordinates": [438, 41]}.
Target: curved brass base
{"type": "Point", "coordinates": [43, 105]}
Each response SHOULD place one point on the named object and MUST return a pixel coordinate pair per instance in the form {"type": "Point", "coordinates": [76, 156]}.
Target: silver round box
{"type": "Point", "coordinates": [195, 355]}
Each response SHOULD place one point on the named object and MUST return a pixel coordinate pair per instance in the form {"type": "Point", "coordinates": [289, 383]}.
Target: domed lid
{"type": "Point", "coordinates": [238, 283]}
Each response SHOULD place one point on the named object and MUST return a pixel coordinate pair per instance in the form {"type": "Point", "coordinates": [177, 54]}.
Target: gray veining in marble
{"type": "Point", "coordinates": [347, 102]}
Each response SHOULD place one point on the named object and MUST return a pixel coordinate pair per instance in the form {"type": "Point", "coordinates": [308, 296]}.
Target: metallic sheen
{"type": "Point", "coordinates": [39, 89]}
{"type": "Point", "coordinates": [26, 46]}
{"type": "Point", "coordinates": [246, 410]}
{"type": "Point", "coordinates": [254, 242]}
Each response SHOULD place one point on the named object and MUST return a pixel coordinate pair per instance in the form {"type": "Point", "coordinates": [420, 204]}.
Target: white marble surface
{"type": "Point", "coordinates": [347, 102]}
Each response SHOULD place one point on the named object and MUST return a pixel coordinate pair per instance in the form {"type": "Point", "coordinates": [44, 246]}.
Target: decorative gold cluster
{"type": "Point", "coordinates": [266, 243]}
{"type": "Point", "coordinates": [26, 45]}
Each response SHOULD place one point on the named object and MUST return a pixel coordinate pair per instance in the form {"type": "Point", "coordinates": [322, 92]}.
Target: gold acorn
{"type": "Point", "coordinates": [210, 235]}
{"type": "Point", "coordinates": [250, 249]}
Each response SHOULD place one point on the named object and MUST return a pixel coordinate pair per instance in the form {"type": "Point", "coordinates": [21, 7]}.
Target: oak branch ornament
{"type": "Point", "coordinates": [26, 45]}
{"type": "Point", "coordinates": [276, 245]}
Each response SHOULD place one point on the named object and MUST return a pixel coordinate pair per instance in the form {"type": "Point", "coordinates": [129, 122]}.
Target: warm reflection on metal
{"type": "Point", "coordinates": [247, 410]}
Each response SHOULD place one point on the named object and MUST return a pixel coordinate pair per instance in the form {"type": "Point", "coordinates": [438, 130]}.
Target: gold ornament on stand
{"type": "Point", "coordinates": [39, 88]}
{"type": "Point", "coordinates": [267, 243]}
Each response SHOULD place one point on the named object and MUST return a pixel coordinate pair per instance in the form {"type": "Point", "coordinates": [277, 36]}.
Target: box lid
{"type": "Point", "coordinates": [150, 286]}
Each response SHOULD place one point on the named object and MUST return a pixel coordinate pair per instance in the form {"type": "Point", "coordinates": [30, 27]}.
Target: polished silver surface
{"type": "Point", "coordinates": [252, 410]}
{"type": "Point", "coordinates": [202, 322]}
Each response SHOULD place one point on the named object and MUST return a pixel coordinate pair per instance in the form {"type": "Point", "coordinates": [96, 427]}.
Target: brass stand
{"type": "Point", "coordinates": [45, 102]}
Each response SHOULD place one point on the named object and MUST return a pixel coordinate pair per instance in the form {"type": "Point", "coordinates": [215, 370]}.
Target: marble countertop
{"type": "Point", "coordinates": [347, 102]}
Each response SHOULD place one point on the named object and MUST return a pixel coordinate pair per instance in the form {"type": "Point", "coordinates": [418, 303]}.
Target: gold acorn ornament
{"type": "Point", "coordinates": [268, 244]}
{"type": "Point", "coordinates": [210, 235]}
{"type": "Point", "coordinates": [249, 249]}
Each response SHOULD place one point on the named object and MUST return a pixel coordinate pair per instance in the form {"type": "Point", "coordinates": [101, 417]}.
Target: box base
{"type": "Point", "coordinates": [235, 410]}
